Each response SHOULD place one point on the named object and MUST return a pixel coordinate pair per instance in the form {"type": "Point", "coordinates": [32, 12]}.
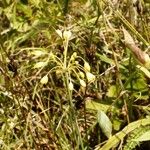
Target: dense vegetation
{"type": "Point", "coordinates": [74, 74]}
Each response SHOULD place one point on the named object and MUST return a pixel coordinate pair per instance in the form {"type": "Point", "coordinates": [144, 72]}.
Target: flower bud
{"type": "Point", "coordinates": [87, 66]}
{"type": "Point", "coordinates": [73, 56]}
{"type": "Point", "coordinates": [90, 77]}
{"type": "Point", "coordinates": [81, 74]}
{"type": "Point", "coordinates": [76, 62]}
{"type": "Point", "coordinates": [70, 86]}
{"type": "Point", "coordinates": [52, 56]}
{"type": "Point", "coordinates": [44, 80]}
{"type": "Point", "coordinates": [82, 83]}
{"type": "Point", "coordinates": [67, 35]}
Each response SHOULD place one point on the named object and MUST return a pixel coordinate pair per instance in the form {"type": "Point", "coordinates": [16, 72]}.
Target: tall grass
{"type": "Point", "coordinates": [74, 74]}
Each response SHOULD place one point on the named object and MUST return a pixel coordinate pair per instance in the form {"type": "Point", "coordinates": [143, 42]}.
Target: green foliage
{"type": "Point", "coordinates": [73, 73]}
{"type": "Point", "coordinates": [138, 135]}
{"type": "Point", "coordinates": [113, 141]}
{"type": "Point", "coordinates": [104, 123]}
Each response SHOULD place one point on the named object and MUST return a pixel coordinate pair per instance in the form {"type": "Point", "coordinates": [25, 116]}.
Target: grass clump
{"type": "Point", "coordinates": [73, 74]}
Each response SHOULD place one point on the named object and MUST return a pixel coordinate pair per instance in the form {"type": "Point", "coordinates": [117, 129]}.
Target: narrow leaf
{"type": "Point", "coordinates": [137, 52]}
{"type": "Point", "coordinates": [127, 37]}
{"type": "Point", "coordinates": [144, 70]}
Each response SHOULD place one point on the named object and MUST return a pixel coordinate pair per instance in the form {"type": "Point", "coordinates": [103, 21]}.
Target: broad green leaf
{"type": "Point", "coordinates": [118, 137]}
{"type": "Point", "coordinates": [117, 124]}
{"type": "Point", "coordinates": [91, 104]}
{"type": "Point", "coordinates": [112, 91]}
{"type": "Point", "coordinates": [139, 83]}
{"type": "Point", "coordinates": [144, 137]}
{"type": "Point", "coordinates": [104, 123]}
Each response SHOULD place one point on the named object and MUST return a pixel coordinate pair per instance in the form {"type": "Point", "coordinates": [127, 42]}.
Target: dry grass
{"type": "Point", "coordinates": [67, 79]}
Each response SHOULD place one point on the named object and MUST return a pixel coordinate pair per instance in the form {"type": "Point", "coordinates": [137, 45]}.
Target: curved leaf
{"type": "Point", "coordinates": [144, 137]}
{"type": "Point", "coordinates": [104, 123]}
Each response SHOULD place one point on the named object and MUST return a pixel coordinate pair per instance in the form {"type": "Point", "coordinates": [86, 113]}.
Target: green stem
{"type": "Point", "coordinates": [69, 93]}
{"type": "Point", "coordinates": [65, 53]}
{"type": "Point", "coordinates": [72, 112]}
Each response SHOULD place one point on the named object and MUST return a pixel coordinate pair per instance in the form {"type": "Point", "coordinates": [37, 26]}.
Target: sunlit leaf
{"type": "Point", "coordinates": [139, 83]}
{"type": "Point", "coordinates": [144, 137]}
{"type": "Point", "coordinates": [115, 139]}
{"type": "Point", "coordinates": [104, 123]}
{"type": "Point", "coordinates": [144, 70]}
{"type": "Point", "coordinates": [106, 59]}
{"type": "Point", "coordinates": [112, 91]}
{"type": "Point", "coordinates": [117, 124]}
{"type": "Point", "coordinates": [91, 104]}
